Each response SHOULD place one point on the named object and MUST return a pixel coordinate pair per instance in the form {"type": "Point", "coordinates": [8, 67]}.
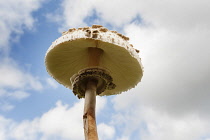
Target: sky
{"type": "Point", "coordinates": [172, 102]}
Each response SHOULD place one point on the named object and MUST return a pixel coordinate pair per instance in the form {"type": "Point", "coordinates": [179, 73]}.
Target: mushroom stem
{"type": "Point", "coordinates": [94, 56]}
{"type": "Point", "coordinates": [89, 119]}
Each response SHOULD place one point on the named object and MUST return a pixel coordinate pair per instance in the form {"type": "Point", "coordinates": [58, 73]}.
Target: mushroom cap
{"type": "Point", "coordinates": [69, 54]}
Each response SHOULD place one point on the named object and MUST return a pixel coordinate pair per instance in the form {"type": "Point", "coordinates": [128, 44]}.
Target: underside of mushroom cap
{"type": "Point", "coordinates": [69, 54]}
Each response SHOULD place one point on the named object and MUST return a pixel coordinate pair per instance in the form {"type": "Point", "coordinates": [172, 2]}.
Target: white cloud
{"type": "Point", "coordinates": [162, 126]}
{"type": "Point", "coordinates": [26, 130]}
{"type": "Point", "coordinates": [175, 14]}
{"type": "Point", "coordinates": [146, 123]}
{"type": "Point", "coordinates": [176, 72]}
{"type": "Point", "coordinates": [13, 77]}
{"type": "Point", "coordinates": [75, 11]}
{"type": "Point", "coordinates": [60, 122]}
{"type": "Point", "coordinates": [158, 13]}
{"type": "Point", "coordinates": [6, 125]}
{"type": "Point", "coordinates": [172, 101]}
{"type": "Point", "coordinates": [123, 11]}
{"type": "Point", "coordinates": [123, 138]}
{"type": "Point", "coordinates": [15, 18]}
{"type": "Point", "coordinates": [15, 84]}
{"type": "Point", "coordinates": [51, 82]}
{"type": "Point", "coordinates": [5, 106]}
{"type": "Point", "coordinates": [100, 104]}
{"type": "Point", "coordinates": [105, 131]}
{"type": "Point", "coordinates": [17, 95]}
{"type": "Point", "coordinates": [63, 121]}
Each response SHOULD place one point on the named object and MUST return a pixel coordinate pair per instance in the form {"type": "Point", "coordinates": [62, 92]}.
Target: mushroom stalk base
{"type": "Point", "coordinates": [89, 119]}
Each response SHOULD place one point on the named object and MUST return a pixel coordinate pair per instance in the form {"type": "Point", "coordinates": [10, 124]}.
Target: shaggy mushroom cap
{"type": "Point", "coordinates": [69, 54]}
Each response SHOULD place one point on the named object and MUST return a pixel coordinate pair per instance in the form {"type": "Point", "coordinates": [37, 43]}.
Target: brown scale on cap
{"type": "Point", "coordinates": [126, 38]}
{"type": "Point", "coordinates": [123, 37]}
{"type": "Point", "coordinates": [80, 28]}
{"type": "Point", "coordinates": [72, 29]}
{"type": "Point", "coordinates": [114, 32]}
{"type": "Point", "coordinates": [103, 29]}
{"type": "Point", "coordinates": [85, 28]}
{"type": "Point", "coordinates": [97, 26]}
{"type": "Point", "coordinates": [64, 33]}
{"type": "Point", "coordinates": [95, 33]}
{"type": "Point", "coordinates": [119, 34]}
{"type": "Point", "coordinates": [137, 50]}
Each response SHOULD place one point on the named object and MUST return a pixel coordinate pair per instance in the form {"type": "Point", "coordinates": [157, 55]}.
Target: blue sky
{"type": "Point", "coordinates": [171, 102]}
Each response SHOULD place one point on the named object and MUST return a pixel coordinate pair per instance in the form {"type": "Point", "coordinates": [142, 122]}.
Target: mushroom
{"type": "Point", "coordinates": [100, 63]}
